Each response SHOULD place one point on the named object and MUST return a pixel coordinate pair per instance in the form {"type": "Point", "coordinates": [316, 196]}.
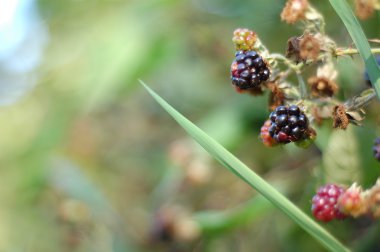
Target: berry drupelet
{"type": "Point", "coordinates": [325, 203]}
{"type": "Point", "coordinates": [376, 149]}
{"type": "Point", "coordinates": [288, 124]}
{"type": "Point", "coordinates": [248, 70]}
{"type": "Point", "coordinates": [264, 135]}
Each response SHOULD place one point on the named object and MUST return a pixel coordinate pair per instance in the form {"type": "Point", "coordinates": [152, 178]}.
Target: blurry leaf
{"type": "Point", "coordinates": [68, 178]}
{"type": "Point", "coordinates": [213, 222]}
{"type": "Point", "coordinates": [323, 133]}
{"type": "Point", "coordinates": [345, 13]}
{"type": "Point", "coordinates": [241, 170]}
{"type": "Point", "coordinates": [340, 158]}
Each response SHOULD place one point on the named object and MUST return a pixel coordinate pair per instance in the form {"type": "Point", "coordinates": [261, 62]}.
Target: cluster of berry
{"type": "Point", "coordinates": [249, 69]}
{"type": "Point", "coordinates": [336, 202]}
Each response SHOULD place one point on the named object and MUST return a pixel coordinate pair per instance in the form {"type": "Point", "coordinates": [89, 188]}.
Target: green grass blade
{"type": "Point", "coordinates": [241, 170]}
{"type": "Point", "coordinates": [354, 29]}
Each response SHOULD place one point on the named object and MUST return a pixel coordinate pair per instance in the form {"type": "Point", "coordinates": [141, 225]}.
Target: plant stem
{"type": "Point", "coordinates": [302, 86]}
{"type": "Point", "coordinates": [352, 51]}
{"type": "Point", "coordinates": [286, 61]}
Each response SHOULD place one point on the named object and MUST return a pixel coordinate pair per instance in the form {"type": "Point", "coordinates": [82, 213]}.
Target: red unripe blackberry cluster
{"type": "Point", "coordinates": [248, 70]}
{"type": "Point", "coordinates": [288, 124]}
{"type": "Point", "coordinates": [325, 203]}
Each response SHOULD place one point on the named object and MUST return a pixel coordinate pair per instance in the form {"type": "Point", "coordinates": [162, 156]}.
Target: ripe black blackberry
{"type": "Point", "coordinates": [288, 124]}
{"type": "Point", "coordinates": [248, 70]}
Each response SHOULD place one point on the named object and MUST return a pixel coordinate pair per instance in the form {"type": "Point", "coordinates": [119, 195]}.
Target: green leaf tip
{"type": "Point", "coordinates": [250, 177]}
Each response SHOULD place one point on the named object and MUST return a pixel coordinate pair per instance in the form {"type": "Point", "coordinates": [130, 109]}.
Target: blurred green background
{"type": "Point", "coordinates": [89, 162]}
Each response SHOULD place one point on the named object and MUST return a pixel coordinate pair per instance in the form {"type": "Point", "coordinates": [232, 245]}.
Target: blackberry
{"type": "Point", "coordinates": [248, 70]}
{"type": "Point", "coordinates": [288, 124]}
{"type": "Point", "coordinates": [325, 203]}
{"type": "Point", "coordinates": [376, 149]}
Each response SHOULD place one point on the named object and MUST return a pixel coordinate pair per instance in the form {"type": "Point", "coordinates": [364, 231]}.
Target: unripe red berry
{"type": "Point", "coordinates": [325, 203]}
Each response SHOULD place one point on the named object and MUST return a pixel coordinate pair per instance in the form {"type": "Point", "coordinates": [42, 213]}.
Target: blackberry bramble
{"type": "Point", "coordinates": [288, 124]}
{"type": "Point", "coordinates": [248, 70]}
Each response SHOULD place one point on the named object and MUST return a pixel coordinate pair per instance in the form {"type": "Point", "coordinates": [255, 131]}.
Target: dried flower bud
{"type": "Point", "coordinates": [294, 10]}
{"type": "Point", "coordinates": [340, 118]}
{"type": "Point", "coordinates": [244, 39]}
{"type": "Point", "coordinates": [309, 47]}
{"type": "Point", "coordinates": [364, 8]}
{"type": "Point", "coordinates": [352, 202]}
{"type": "Point", "coordinates": [306, 47]}
{"type": "Point", "coordinates": [293, 49]}
{"type": "Point", "coordinates": [322, 87]}
{"type": "Point", "coordinates": [276, 96]}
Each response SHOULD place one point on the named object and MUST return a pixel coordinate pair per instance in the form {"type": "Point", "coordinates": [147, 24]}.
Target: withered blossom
{"type": "Point", "coordinates": [322, 86]}
{"type": "Point", "coordinates": [294, 10]}
{"type": "Point", "coordinates": [340, 118]}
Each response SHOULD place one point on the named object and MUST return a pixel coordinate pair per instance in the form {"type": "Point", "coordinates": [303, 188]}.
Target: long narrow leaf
{"type": "Point", "coordinates": [354, 29]}
{"type": "Point", "coordinates": [242, 171]}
